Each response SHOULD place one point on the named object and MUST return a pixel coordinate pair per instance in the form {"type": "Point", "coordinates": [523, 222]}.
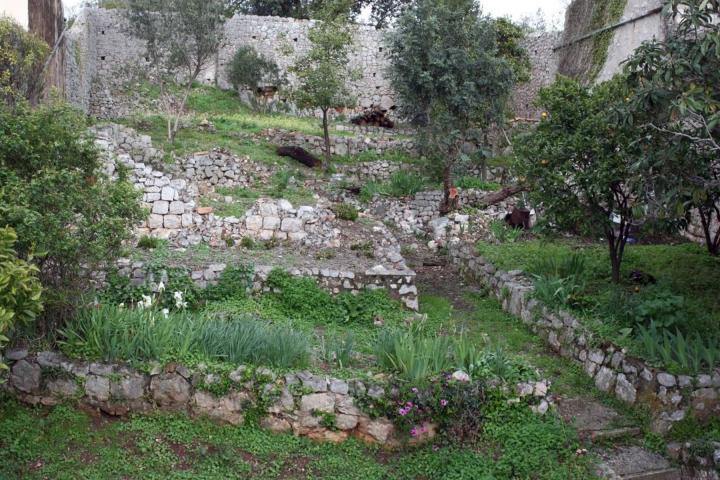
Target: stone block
{"type": "Point", "coordinates": [271, 223]}
{"type": "Point", "coordinates": [605, 379]}
{"type": "Point", "coordinates": [291, 225]}
{"type": "Point", "coordinates": [170, 390]}
{"type": "Point", "coordinates": [25, 376]}
{"type": "Point", "coordinates": [155, 221]}
{"type": "Point", "coordinates": [177, 208]}
{"type": "Point", "coordinates": [254, 223]}
{"type": "Point", "coordinates": [97, 388]}
{"type": "Point", "coordinates": [161, 207]}
{"type": "Point", "coordinates": [318, 402]}
{"type": "Point", "coordinates": [168, 194]}
{"type": "Point", "coordinates": [172, 221]}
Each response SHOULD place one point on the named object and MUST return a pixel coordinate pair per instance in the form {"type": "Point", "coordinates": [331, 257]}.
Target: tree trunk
{"type": "Point", "coordinates": [616, 246]}
{"type": "Point", "coordinates": [450, 200]}
{"type": "Point", "coordinates": [326, 136]}
{"type": "Point", "coordinates": [500, 195]}
{"type": "Point", "coordinates": [185, 97]}
{"type": "Point", "coordinates": [712, 242]}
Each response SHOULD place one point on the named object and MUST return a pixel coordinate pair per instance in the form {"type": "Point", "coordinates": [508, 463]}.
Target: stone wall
{"type": "Point", "coordinates": [631, 380]}
{"type": "Point", "coordinates": [301, 403]}
{"type": "Point", "coordinates": [101, 56]}
{"type": "Point", "coordinates": [304, 404]}
{"type": "Point", "coordinates": [399, 283]}
{"type": "Point", "coordinates": [339, 145]}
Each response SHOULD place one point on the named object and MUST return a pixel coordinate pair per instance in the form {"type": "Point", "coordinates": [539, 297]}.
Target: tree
{"type": "Point", "coordinates": [382, 11]}
{"type": "Point", "coordinates": [450, 79]}
{"type": "Point", "coordinates": [324, 72]}
{"type": "Point", "coordinates": [68, 216]}
{"type": "Point", "coordinates": [22, 58]}
{"type": "Point", "coordinates": [677, 81]}
{"type": "Point", "coordinates": [578, 163]}
{"type": "Point", "coordinates": [182, 37]}
{"type": "Point", "coordinates": [248, 69]}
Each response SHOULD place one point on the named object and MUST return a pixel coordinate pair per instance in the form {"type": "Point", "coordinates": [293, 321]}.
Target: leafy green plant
{"type": "Point", "coordinates": [338, 350]}
{"type": "Point", "coordinates": [660, 307]}
{"type": "Point", "coordinates": [250, 70]}
{"type": "Point", "coordinates": [147, 242]}
{"type": "Point", "coordinates": [560, 281]}
{"type": "Point", "coordinates": [504, 233]}
{"type": "Point", "coordinates": [20, 288]}
{"type": "Point", "coordinates": [476, 183]}
{"type": "Point", "coordinates": [346, 211]}
{"type": "Point", "coordinates": [405, 184]}
{"type": "Point", "coordinates": [234, 282]}
{"type": "Point", "coordinates": [688, 354]}
{"type": "Point", "coordinates": [115, 333]}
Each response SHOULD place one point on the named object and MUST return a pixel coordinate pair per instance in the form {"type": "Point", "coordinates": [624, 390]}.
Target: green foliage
{"type": "Point", "coordinates": [115, 334]}
{"type": "Point", "coordinates": [660, 307]}
{"type": "Point", "coordinates": [687, 354]}
{"type": "Point", "coordinates": [450, 77]}
{"type": "Point", "coordinates": [338, 350]}
{"type": "Point", "coordinates": [147, 242]}
{"type": "Point", "coordinates": [504, 233]}
{"type": "Point", "coordinates": [302, 298]}
{"type": "Point", "coordinates": [346, 211]}
{"type": "Point", "coordinates": [509, 40]}
{"type": "Point", "coordinates": [400, 184]}
{"type": "Point", "coordinates": [324, 71]}
{"type": "Point", "coordinates": [578, 163]}
{"type": "Point", "coordinates": [181, 37]}
{"type": "Point", "coordinates": [475, 183]}
{"type": "Point", "coordinates": [22, 57]}
{"type": "Point", "coordinates": [234, 282]}
{"type": "Point", "coordinates": [54, 195]}
{"type": "Point", "coordinates": [20, 289]}
{"type": "Point", "coordinates": [249, 70]}
{"type": "Point", "coordinates": [677, 104]}
{"type": "Point", "coordinates": [560, 281]}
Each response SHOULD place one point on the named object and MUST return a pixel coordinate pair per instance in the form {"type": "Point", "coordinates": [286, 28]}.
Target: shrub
{"type": "Point", "coordinates": [115, 334]}
{"type": "Point", "coordinates": [476, 183]}
{"type": "Point", "coordinates": [405, 184]}
{"type": "Point", "coordinates": [234, 282]}
{"type": "Point", "coordinates": [688, 354]}
{"type": "Point", "coordinates": [248, 69]}
{"type": "Point", "coordinates": [560, 281]}
{"type": "Point", "coordinates": [22, 57]}
{"type": "Point", "coordinates": [148, 243]}
{"type": "Point", "coordinates": [20, 289]}
{"type": "Point", "coordinates": [504, 233]}
{"type": "Point", "coordinates": [346, 211]}
{"type": "Point", "coordinates": [53, 193]}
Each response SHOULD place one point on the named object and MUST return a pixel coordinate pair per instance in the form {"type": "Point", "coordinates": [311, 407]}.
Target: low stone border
{"type": "Point", "coordinates": [671, 397]}
{"type": "Point", "coordinates": [400, 284]}
{"type": "Point", "coordinates": [302, 403]}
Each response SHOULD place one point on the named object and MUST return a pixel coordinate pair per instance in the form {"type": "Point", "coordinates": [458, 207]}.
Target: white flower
{"type": "Point", "coordinates": [122, 305]}
{"type": "Point", "coordinates": [179, 303]}
{"type": "Point", "coordinates": [461, 376]}
{"type": "Point", "coordinates": [166, 312]}
{"type": "Point", "coordinates": [146, 302]}
{"type": "Point", "coordinates": [161, 286]}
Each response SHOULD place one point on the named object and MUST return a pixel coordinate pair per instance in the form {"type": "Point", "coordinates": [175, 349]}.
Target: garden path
{"type": "Point", "coordinates": [610, 431]}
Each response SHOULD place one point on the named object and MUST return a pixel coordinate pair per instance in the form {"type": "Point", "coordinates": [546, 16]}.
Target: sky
{"type": "Point", "coordinates": [553, 11]}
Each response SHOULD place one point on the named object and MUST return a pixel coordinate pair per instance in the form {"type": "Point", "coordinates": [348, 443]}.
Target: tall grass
{"type": "Point", "coordinates": [117, 334]}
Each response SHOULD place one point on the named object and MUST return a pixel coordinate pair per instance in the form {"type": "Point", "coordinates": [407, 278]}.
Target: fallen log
{"type": "Point", "coordinates": [301, 155]}
{"type": "Point", "coordinates": [497, 197]}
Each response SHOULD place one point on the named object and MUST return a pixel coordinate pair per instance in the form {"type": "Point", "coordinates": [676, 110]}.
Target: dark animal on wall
{"type": "Point", "coordinates": [301, 155]}
{"type": "Point", "coordinates": [519, 218]}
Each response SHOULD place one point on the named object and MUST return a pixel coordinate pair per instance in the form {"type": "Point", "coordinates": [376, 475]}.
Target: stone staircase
{"type": "Point", "coordinates": [599, 426]}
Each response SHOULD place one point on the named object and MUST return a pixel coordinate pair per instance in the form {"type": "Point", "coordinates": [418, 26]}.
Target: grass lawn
{"type": "Point", "coordinates": [684, 295]}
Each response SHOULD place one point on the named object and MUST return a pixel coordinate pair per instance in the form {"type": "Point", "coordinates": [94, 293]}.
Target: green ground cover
{"type": "Point", "coordinates": [656, 320]}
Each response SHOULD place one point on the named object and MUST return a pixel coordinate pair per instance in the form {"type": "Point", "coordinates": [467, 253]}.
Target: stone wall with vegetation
{"type": "Point", "coordinates": [341, 145]}
{"type": "Point", "coordinates": [672, 397]}
{"type": "Point", "coordinates": [399, 283]}
{"type": "Point", "coordinates": [102, 57]}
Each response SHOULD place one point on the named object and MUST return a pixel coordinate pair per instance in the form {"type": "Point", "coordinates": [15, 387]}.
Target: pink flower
{"type": "Point", "coordinates": [443, 402]}
{"type": "Point", "coordinates": [414, 390]}
{"type": "Point", "coordinates": [403, 412]}
{"type": "Point", "coordinates": [414, 432]}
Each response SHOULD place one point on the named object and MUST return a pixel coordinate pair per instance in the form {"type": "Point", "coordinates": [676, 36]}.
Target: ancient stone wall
{"type": "Point", "coordinates": [672, 397]}
{"type": "Point", "coordinates": [102, 56]}
{"type": "Point", "coordinates": [340, 145]}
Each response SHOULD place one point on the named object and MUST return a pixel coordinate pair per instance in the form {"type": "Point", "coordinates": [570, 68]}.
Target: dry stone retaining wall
{"type": "Point", "coordinates": [629, 379]}
{"type": "Point", "coordinates": [304, 404]}
{"type": "Point", "coordinates": [339, 145]}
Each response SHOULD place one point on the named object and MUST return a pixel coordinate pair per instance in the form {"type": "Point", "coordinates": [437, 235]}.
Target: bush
{"type": "Point", "coordinates": [248, 69]}
{"type": "Point", "coordinates": [234, 283]}
{"type": "Point", "coordinates": [346, 211]}
{"type": "Point", "coordinates": [117, 334]}
{"type": "Point", "coordinates": [685, 354]}
{"type": "Point", "coordinates": [302, 298]}
{"type": "Point", "coordinates": [53, 193]}
{"type": "Point", "coordinates": [476, 183]}
{"type": "Point", "coordinates": [147, 242]}
{"type": "Point", "coordinates": [22, 57]}
{"type": "Point", "coordinates": [405, 184]}
{"type": "Point", "coordinates": [560, 281]}
{"type": "Point", "coordinates": [19, 287]}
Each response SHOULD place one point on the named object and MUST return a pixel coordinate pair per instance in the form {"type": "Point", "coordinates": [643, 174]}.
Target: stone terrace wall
{"type": "Point", "coordinates": [304, 404]}
{"type": "Point", "coordinates": [399, 283]}
{"type": "Point", "coordinates": [101, 54]}
{"type": "Point", "coordinates": [339, 145]}
{"type": "Point", "coordinates": [298, 402]}
{"type": "Point", "coordinates": [629, 379]}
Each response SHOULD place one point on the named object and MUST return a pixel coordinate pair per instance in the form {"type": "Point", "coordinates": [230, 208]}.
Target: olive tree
{"type": "Point", "coordinates": [22, 58]}
{"type": "Point", "coordinates": [182, 37]}
{"type": "Point", "coordinates": [323, 73]}
{"type": "Point", "coordinates": [677, 103]}
{"type": "Point", "coordinates": [450, 78]}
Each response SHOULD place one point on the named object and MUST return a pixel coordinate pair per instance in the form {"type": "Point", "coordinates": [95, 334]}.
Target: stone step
{"type": "Point", "coordinates": [635, 463]}
{"type": "Point", "coordinates": [596, 436]}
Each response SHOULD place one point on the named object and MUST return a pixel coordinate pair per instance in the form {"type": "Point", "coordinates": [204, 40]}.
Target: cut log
{"type": "Point", "coordinates": [301, 155]}
{"type": "Point", "coordinates": [500, 195]}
